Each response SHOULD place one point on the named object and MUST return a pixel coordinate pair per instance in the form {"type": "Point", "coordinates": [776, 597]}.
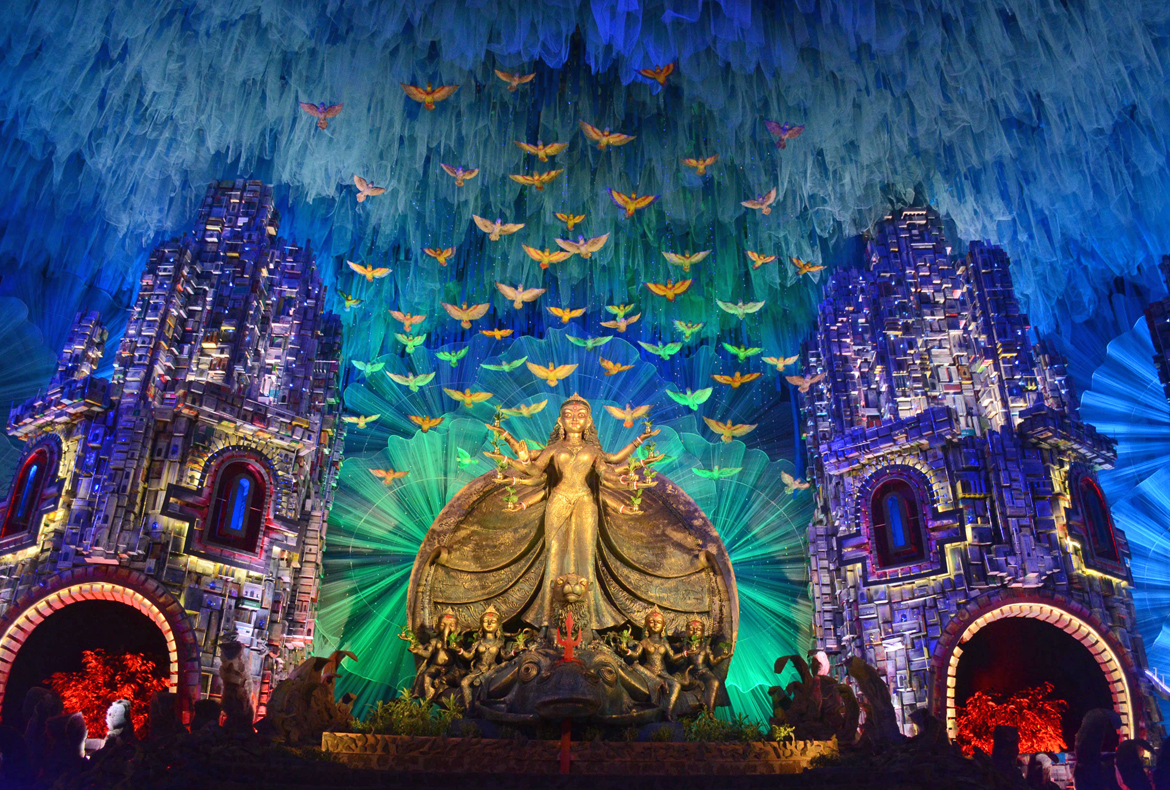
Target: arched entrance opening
{"type": "Point", "coordinates": [1015, 646]}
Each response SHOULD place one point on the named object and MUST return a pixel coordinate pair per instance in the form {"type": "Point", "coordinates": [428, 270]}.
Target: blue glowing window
{"type": "Point", "coordinates": [237, 511]}
{"type": "Point", "coordinates": [897, 523]}
{"type": "Point", "coordinates": [26, 492]}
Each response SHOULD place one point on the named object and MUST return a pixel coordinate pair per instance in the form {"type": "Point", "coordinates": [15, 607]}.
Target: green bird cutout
{"type": "Point", "coordinates": [739, 310]}
{"type": "Point", "coordinates": [368, 367]}
{"type": "Point", "coordinates": [742, 353]}
{"type": "Point", "coordinates": [411, 342]}
{"type": "Point", "coordinates": [619, 310]}
{"type": "Point", "coordinates": [453, 356]}
{"type": "Point", "coordinates": [691, 400]}
{"type": "Point", "coordinates": [717, 473]}
{"type": "Point", "coordinates": [589, 343]}
{"type": "Point", "coordinates": [505, 366]}
{"type": "Point", "coordinates": [411, 380]}
{"type": "Point", "coordinates": [666, 352]}
{"type": "Point", "coordinates": [688, 330]}
{"type": "Point", "coordinates": [465, 458]}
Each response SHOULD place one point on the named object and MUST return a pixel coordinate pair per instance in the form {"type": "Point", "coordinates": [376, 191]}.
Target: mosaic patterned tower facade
{"type": "Point", "coordinates": [956, 483]}
{"type": "Point", "coordinates": [195, 483]}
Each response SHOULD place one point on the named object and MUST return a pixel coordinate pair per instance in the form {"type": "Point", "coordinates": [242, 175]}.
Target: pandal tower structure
{"type": "Point", "coordinates": [956, 484]}
{"type": "Point", "coordinates": [194, 485]}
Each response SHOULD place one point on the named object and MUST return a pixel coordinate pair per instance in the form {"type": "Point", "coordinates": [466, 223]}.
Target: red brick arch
{"type": "Point", "coordinates": [107, 583]}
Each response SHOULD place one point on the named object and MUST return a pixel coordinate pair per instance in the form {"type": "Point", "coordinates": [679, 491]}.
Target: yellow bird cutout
{"type": "Point", "coordinates": [424, 422]}
{"type": "Point", "coordinates": [619, 310]}
{"type": "Point", "coordinates": [802, 383]}
{"type": "Point", "coordinates": [670, 290]}
{"type": "Point", "coordinates": [526, 411]}
{"type": "Point", "coordinates": [537, 180]}
{"type": "Point", "coordinates": [631, 202]}
{"type": "Point", "coordinates": [519, 295]}
{"type": "Point", "coordinates": [440, 254]}
{"type": "Point", "coordinates": [659, 74]}
{"type": "Point", "coordinates": [465, 315]}
{"type": "Point", "coordinates": [803, 267]}
{"type": "Point", "coordinates": [728, 430]}
{"type": "Point", "coordinates": [544, 257]}
{"type": "Point", "coordinates": [570, 219]}
{"type": "Point", "coordinates": [388, 476]}
{"type": "Point", "coordinates": [369, 272]}
{"type": "Point", "coordinates": [762, 202]}
{"type": "Point", "coordinates": [553, 373]}
{"type": "Point", "coordinates": [583, 246]}
{"type": "Point", "coordinates": [780, 362]}
{"type": "Point", "coordinates": [759, 260]}
{"type": "Point", "coordinates": [467, 397]}
{"type": "Point", "coordinates": [622, 323]}
{"type": "Point", "coordinates": [407, 320]}
{"type": "Point", "coordinates": [700, 165]}
{"type": "Point", "coordinates": [496, 334]}
{"type": "Point", "coordinates": [737, 380]}
{"type": "Point", "coordinates": [604, 139]}
{"type": "Point", "coordinates": [428, 96]}
{"type": "Point", "coordinates": [566, 314]}
{"type": "Point", "coordinates": [686, 260]}
{"type": "Point", "coordinates": [459, 174]}
{"type": "Point", "coordinates": [540, 150]}
{"type": "Point", "coordinates": [514, 80]}
{"type": "Point", "coordinates": [628, 415]}
{"type": "Point", "coordinates": [366, 189]}
{"type": "Point", "coordinates": [613, 368]}
{"type": "Point", "coordinates": [349, 300]}
{"type": "Point", "coordinates": [496, 229]}
{"type": "Point", "coordinates": [362, 420]}
{"type": "Point", "coordinates": [792, 485]}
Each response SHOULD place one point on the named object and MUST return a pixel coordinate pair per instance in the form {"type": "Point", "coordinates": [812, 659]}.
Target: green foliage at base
{"type": "Point", "coordinates": [406, 716]}
{"type": "Point", "coordinates": [740, 729]}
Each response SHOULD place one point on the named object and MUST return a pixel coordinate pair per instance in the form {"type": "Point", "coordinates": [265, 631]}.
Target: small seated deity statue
{"type": "Point", "coordinates": [701, 662]}
{"type": "Point", "coordinates": [654, 651]}
{"type": "Point", "coordinates": [119, 725]}
{"type": "Point", "coordinates": [439, 654]}
{"type": "Point", "coordinates": [237, 686]}
{"type": "Point", "coordinates": [484, 655]}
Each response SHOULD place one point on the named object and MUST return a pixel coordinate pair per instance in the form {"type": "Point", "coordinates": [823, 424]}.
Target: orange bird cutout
{"type": "Point", "coordinates": [631, 202]}
{"type": "Point", "coordinates": [366, 189]}
{"type": "Point", "coordinates": [759, 260]}
{"type": "Point", "coordinates": [803, 383]}
{"type": "Point", "coordinates": [424, 422]}
{"type": "Point", "coordinates": [369, 272]}
{"type": "Point", "coordinates": [440, 254]}
{"type": "Point", "coordinates": [613, 368]}
{"type": "Point", "coordinates": [544, 258]}
{"type": "Point", "coordinates": [728, 430]}
{"type": "Point", "coordinates": [604, 138]}
{"type": "Point", "coordinates": [736, 380]}
{"type": "Point", "coordinates": [537, 180]}
{"type": "Point", "coordinates": [514, 80]}
{"type": "Point", "coordinates": [686, 260]}
{"type": "Point", "coordinates": [583, 246]}
{"type": "Point", "coordinates": [540, 150]}
{"type": "Point", "coordinates": [496, 229]}
{"type": "Point", "coordinates": [519, 295]}
{"type": "Point", "coordinates": [465, 315]}
{"type": "Point", "coordinates": [566, 313]}
{"type": "Point", "coordinates": [761, 202]}
{"type": "Point", "coordinates": [467, 397]}
{"type": "Point", "coordinates": [701, 165]}
{"type": "Point", "coordinates": [553, 373]}
{"type": "Point", "coordinates": [570, 219]}
{"type": "Point", "coordinates": [496, 334]}
{"type": "Point", "coordinates": [407, 319]}
{"type": "Point", "coordinates": [804, 268]}
{"type": "Point", "coordinates": [670, 290]}
{"type": "Point", "coordinates": [628, 415]}
{"type": "Point", "coordinates": [623, 323]}
{"type": "Point", "coordinates": [388, 476]}
{"type": "Point", "coordinates": [459, 174]}
{"type": "Point", "coordinates": [659, 74]}
{"type": "Point", "coordinates": [321, 112]}
{"type": "Point", "coordinates": [428, 96]}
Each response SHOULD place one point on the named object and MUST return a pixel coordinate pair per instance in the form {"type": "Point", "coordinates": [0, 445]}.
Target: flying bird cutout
{"type": "Point", "coordinates": [428, 96]}
{"type": "Point", "coordinates": [465, 315]}
{"type": "Point", "coordinates": [628, 415]}
{"type": "Point", "coordinates": [514, 80]}
{"type": "Point", "coordinates": [542, 151]}
{"type": "Point", "coordinates": [496, 229]}
{"type": "Point", "coordinates": [519, 295]}
{"type": "Point", "coordinates": [366, 189]}
{"type": "Point", "coordinates": [604, 139]}
{"type": "Point", "coordinates": [459, 174]}
{"type": "Point", "coordinates": [321, 112]}
{"type": "Point", "coordinates": [553, 373]}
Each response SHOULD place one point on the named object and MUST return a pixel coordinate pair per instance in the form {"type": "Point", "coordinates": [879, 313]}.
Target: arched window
{"type": "Point", "coordinates": [237, 511]}
{"type": "Point", "coordinates": [25, 495]}
{"type": "Point", "coordinates": [1098, 523]}
{"type": "Point", "coordinates": [896, 517]}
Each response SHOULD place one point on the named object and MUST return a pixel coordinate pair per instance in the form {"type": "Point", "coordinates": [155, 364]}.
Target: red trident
{"type": "Point", "coordinates": [568, 641]}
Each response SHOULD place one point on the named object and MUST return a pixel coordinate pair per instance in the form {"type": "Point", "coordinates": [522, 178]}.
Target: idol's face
{"type": "Point", "coordinates": [695, 628]}
{"type": "Point", "coordinates": [447, 624]}
{"type": "Point", "coordinates": [490, 622]}
{"type": "Point", "coordinates": [575, 417]}
{"type": "Point", "coordinates": [655, 623]}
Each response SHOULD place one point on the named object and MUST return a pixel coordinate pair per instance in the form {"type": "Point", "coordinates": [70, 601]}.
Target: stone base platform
{"type": "Point", "coordinates": [605, 758]}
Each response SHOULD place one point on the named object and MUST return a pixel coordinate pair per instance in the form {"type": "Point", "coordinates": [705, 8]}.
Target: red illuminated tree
{"type": "Point", "coordinates": [1032, 711]}
{"type": "Point", "coordinates": [103, 679]}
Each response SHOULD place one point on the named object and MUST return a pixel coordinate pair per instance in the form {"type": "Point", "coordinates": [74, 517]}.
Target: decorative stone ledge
{"type": "Point", "coordinates": [498, 755]}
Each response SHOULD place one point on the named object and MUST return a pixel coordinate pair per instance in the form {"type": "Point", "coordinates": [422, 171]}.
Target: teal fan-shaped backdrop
{"type": "Point", "coordinates": [376, 528]}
